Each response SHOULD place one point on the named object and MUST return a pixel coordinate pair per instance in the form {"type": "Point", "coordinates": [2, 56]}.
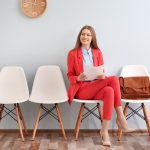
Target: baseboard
{"type": "Point", "coordinates": [68, 130]}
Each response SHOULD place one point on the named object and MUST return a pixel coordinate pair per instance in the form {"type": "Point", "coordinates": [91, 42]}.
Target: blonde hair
{"type": "Point", "coordinates": [93, 42]}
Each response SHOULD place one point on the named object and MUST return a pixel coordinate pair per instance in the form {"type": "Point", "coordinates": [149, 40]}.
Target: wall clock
{"type": "Point", "coordinates": [33, 8]}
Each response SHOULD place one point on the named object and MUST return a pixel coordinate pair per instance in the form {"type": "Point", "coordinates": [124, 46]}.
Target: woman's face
{"type": "Point", "coordinates": [86, 38]}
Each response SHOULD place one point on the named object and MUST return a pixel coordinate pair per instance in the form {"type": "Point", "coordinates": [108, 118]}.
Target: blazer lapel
{"type": "Point", "coordinates": [95, 60]}
{"type": "Point", "coordinates": [80, 60]}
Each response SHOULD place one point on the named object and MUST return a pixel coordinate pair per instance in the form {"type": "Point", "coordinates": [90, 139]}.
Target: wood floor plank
{"type": "Point", "coordinates": [86, 141]}
{"type": "Point", "coordinates": [34, 146]}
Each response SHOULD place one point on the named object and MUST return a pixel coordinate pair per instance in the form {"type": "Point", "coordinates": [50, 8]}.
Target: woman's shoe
{"type": "Point", "coordinates": [124, 127]}
{"type": "Point", "coordinates": [104, 143]}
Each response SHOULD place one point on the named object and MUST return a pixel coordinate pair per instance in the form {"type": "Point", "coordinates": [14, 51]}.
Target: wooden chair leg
{"type": "Point", "coordinates": [22, 119]}
{"type": "Point", "coordinates": [36, 122]}
{"type": "Point", "coordinates": [79, 121]}
{"type": "Point", "coordinates": [75, 130]}
{"type": "Point", "coordinates": [60, 121]}
{"type": "Point", "coordinates": [119, 133]}
{"type": "Point", "coordinates": [1, 111]}
{"type": "Point", "coordinates": [19, 123]}
{"type": "Point", "coordinates": [146, 117]}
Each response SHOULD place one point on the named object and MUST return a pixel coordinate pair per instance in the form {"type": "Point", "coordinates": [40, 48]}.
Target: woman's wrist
{"type": "Point", "coordinates": [78, 79]}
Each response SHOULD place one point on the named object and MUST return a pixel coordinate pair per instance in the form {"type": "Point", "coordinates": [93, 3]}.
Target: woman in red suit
{"type": "Point", "coordinates": [87, 52]}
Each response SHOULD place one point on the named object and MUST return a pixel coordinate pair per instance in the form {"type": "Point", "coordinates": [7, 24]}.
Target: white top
{"type": "Point", "coordinates": [87, 56]}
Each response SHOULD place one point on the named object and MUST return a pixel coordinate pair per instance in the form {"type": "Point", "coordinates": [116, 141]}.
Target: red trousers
{"type": "Point", "coordinates": [107, 90]}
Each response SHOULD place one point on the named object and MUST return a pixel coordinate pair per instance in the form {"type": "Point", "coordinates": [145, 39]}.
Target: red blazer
{"type": "Point", "coordinates": [75, 67]}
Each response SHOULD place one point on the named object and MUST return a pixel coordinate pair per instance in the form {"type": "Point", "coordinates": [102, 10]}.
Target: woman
{"type": "Point", "coordinates": [87, 52]}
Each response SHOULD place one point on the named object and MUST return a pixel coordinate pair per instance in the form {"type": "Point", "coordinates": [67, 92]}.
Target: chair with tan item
{"type": "Point", "coordinates": [135, 71]}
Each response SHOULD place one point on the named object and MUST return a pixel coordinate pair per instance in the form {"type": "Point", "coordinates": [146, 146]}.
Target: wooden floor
{"type": "Point", "coordinates": [87, 141]}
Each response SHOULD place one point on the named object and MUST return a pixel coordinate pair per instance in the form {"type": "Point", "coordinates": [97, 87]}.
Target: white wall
{"type": "Point", "coordinates": [123, 33]}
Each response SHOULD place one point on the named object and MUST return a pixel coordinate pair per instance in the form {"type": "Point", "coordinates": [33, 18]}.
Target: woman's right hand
{"type": "Point", "coordinates": [101, 76]}
{"type": "Point", "coordinates": [81, 77]}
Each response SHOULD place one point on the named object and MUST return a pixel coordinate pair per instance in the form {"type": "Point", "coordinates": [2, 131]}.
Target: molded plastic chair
{"type": "Point", "coordinates": [90, 111]}
{"type": "Point", "coordinates": [13, 90]}
{"type": "Point", "coordinates": [132, 71]}
{"type": "Point", "coordinates": [48, 88]}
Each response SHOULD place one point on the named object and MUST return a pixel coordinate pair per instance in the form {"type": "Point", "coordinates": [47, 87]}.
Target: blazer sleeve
{"type": "Point", "coordinates": [71, 70]}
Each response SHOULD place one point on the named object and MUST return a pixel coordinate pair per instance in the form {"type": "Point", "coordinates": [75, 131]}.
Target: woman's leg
{"type": "Point", "coordinates": [99, 90]}
{"type": "Point", "coordinates": [121, 117]}
{"type": "Point", "coordinates": [121, 120]}
{"type": "Point", "coordinates": [114, 83]}
{"type": "Point", "coordinates": [106, 94]}
{"type": "Point", "coordinates": [104, 133]}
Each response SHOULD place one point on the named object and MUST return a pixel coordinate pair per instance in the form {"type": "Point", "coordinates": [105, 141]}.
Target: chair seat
{"type": "Point", "coordinates": [48, 101]}
{"type": "Point", "coordinates": [136, 101]}
{"type": "Point", "coordinates": [13, 101]}
{"type": "Point", "coordinates": [86, 101]}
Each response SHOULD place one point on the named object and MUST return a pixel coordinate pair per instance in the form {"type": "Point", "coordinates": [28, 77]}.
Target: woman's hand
{"type": "Point", "coordinates": [81, 77]}
{"type": "Point", "coordinates": [101, 76]}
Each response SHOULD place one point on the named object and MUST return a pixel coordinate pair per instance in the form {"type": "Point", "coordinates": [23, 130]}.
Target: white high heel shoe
{"type": "Point", "coordinates": [104, 143]}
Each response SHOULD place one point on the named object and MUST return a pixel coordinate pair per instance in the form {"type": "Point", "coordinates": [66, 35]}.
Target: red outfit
{"type": "Point", "coordinates": [107, 89]}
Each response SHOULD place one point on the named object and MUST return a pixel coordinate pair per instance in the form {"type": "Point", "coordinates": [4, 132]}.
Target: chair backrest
{"type": "Point", "coordinates": [48, 86]}
{"type": "Point", "coordinates": [13, 85]}
{"type": "Point", "coordinates": [134, 70]}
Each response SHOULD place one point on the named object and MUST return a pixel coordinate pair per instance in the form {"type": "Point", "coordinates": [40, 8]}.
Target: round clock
{"type": "Point", "coordinates": [33, 8]}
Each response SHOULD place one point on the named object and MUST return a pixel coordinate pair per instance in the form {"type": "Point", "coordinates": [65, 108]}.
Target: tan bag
{"type": "Point", "coordinates": [135, 87]}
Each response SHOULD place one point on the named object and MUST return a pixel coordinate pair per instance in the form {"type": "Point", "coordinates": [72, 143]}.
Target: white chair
{"type": "Point", "coordinates": [88, 112]}
{"type": "Point", "coordinates": [133, 71]}
{"type": "Point", "coordinates": [13, 90]}
{"type": "Point", "coordinates": [48, 88]}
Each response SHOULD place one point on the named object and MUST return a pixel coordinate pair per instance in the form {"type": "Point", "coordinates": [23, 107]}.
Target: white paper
{"type": "Point", "coordinates": [93, 72]}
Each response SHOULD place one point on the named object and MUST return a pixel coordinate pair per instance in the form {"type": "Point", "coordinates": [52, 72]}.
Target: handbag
{"type": "Point", "coordinates": [135, 87]}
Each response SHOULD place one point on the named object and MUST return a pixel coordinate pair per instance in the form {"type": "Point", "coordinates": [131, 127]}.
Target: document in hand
{"type": "Point", "coordinates": [92, 72]}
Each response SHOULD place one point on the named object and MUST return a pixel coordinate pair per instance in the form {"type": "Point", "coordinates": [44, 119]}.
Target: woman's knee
{"type": "Point", "coordinates": [108, 96]}
{"type": "Point", "coordinates": [108, 91]}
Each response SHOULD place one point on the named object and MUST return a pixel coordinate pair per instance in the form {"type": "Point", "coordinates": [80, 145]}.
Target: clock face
{"type": "Point", "coordinates": [33, 8]}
